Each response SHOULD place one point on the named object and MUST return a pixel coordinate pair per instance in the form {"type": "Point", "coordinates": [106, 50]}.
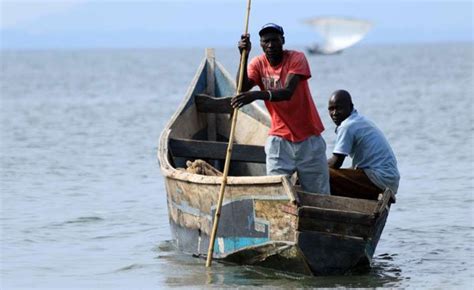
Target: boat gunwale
{"type": "Point", "coordinates": [182, 175]}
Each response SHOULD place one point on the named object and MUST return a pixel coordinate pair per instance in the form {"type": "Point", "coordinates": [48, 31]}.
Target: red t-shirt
{"type": "Point", "coordinates": [295, 119]}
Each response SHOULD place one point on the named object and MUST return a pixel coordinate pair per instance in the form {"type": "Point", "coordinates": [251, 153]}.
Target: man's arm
{"type": "Point", "coordinates": [277, 95]}
{"type": "Point", "coordinates": [336, 160]}
{"type": "Point", "coordinates": [245, 44]}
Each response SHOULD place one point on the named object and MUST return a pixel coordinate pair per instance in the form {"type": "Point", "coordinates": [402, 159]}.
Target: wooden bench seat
{"type": "Point", "coordinates": [210, 104]}
{"type": "Point", "coordinates": [215, 150]}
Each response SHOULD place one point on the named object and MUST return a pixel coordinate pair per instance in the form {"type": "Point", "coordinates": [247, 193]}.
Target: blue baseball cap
{"type": "Point", "coordinates": [271, 27]}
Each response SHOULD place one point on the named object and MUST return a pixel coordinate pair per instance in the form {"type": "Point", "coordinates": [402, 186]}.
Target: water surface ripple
{"type": "Point", "coordinates": [83, 203]}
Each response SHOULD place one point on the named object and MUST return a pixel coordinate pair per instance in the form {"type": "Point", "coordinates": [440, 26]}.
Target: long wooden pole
{"type": "Point", "coordinates": [217, 214]}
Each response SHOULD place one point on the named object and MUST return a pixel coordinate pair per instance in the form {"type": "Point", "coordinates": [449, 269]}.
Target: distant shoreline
{"type": "Point", "coordinates": [183, 48]}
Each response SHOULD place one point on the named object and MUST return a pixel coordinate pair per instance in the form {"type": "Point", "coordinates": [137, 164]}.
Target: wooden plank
{"type": "Point", "coordinates": [290, 190]}
{"type": "Point", "coordinates": [211, 78]}
{"type": "Point", "coordinates": [210, 89]}
{"type": "Point", "coordinates": [209, 104]}
{"type": "Point", "coordinates": [215, 150]}
{"type": "Point", "coordinates": [328, 253]}
{"type": "Point", "coordinates": [334, 227]}
{"type": "Point", "coordinates": [336, 215]}
{"type": "Point", "coordinates": [336, 202]}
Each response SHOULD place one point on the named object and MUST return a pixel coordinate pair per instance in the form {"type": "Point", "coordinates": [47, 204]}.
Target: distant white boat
{"type": "Point", "coordinates": [338, 33]}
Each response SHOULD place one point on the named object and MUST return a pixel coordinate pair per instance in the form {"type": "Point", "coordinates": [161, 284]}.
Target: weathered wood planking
{"type": "Point", "coordinates": [211, 89]}
{"type": "Point", "coordinates": [210, 104]}
{"type": "Point", "coordinates": [215, 150]}
{"type": "Point", "coordinates": [335, 215]}
{"type": "Point", "coordinates": [336, 202]}
{"type": "Point", "coordinates": [337, 227]}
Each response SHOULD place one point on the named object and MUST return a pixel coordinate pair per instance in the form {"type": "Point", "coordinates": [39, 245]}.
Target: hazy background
{"type": "Point", "coordinates": [152, 24]}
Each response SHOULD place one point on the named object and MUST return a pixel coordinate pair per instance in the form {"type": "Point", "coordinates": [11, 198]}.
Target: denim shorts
{"type": "Point", "coordinates": [307, 158]}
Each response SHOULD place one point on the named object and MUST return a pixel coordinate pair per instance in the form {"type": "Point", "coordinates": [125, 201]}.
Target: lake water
{"type": "Point", "coordinates": [83, 203]}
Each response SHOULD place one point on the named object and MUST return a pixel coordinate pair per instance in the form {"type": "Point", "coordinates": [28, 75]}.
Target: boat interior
{"type": "Point", "coordinates": [209, 141]}
{"type": "Point", "coordinates": [202, 128]}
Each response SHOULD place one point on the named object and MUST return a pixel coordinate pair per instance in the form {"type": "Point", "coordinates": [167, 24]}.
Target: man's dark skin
{"type": "Point", "coordinates": [340, 107]}
{"type": "Point", "coordinates": [272, 45]}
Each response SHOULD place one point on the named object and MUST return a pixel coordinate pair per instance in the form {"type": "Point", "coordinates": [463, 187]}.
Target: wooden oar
{"type": "Point", "coordinates": [229, 149]}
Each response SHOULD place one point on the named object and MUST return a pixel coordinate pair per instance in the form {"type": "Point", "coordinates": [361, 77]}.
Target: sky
{"type": "Point", "coordinates": [38, 24]}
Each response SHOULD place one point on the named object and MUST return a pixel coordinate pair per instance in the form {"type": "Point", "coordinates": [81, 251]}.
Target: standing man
{"type": "Point", "coordinates": [294, 142]}
{"type": "Point", "coordinates": [374, 166]}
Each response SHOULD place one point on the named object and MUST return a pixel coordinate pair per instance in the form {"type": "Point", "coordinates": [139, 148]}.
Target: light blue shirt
{"type": "Point", "coordinates": [359, 138]}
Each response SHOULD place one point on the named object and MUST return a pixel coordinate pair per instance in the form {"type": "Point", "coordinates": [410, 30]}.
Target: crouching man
{"type": "Point", "coordinates": [374, 166]}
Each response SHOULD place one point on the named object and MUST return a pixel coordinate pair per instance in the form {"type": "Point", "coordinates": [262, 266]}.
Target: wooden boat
{"type": "Point", "coordinates": [265, 220]}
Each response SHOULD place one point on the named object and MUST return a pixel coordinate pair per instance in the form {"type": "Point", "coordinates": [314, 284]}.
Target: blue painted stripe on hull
{"type": "Point", "coordinates": [233, 244]}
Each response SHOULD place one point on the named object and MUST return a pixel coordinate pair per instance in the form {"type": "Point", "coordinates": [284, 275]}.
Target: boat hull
{"type": "Point", "coordinates": [262, 225]}
{"type": "Point", "coordinates": [248, 215]}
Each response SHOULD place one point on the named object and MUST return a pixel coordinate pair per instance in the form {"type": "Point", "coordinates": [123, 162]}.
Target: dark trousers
{"type": "Point", "coordinates": [352, 183]}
